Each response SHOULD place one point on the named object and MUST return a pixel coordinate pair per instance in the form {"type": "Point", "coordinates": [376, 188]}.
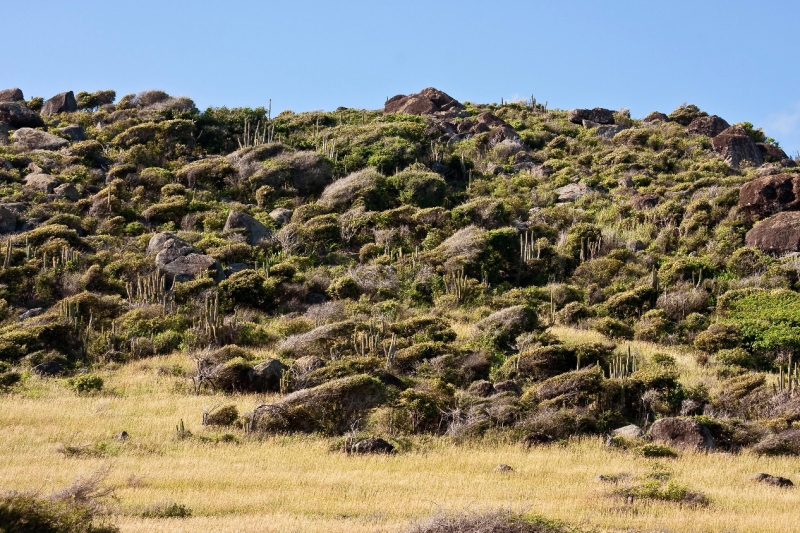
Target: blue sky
{"type": "Point", "coordinates": [733, 58]}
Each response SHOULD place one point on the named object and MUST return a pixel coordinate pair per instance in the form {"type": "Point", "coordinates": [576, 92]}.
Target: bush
{"type": "Point", "coordinates": [612, 328]}
{"type": "Point", "coordinates": [86, 383]}
{"type": "Point", "coordinates": [417, 186]}
{"type": "Point", "coordinates": [501, 327]}
{"type": "Point", "coordinates": [167, 510]}
{"type": "Point", "coordinates": [718, 337]}
{"type": "Point", "coordinates": [656, 450]}
{"type": "Point", "coordinates": [248, 288]}
{"type": "Point", "coordinates": [23, 513]}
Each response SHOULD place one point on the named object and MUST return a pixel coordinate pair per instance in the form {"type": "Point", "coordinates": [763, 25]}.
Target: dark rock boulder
{"type": "Point", "coordinates": [68, 191]}
{"type": "Point", "coordinates": [75, 132]}
{"type": "Point", "coordinates": [372, 445]}
{"type": "Point", "coordinates": [427, 102]}
{"type": "Point", "coordinates": [598, 114]}
{"type": "Point", "coordinates": [770, 194]}
{"type": "Point", "coordinates": [18, 115]}
{"type": "Point", "coordinates": [778, 234]}
{"type": "Point", "coordinates": [535, 439]}
{"type": "Point", "coordinates": [640, 202]}
{"type": "Point", "coordinates": [31, 313]}
{"type": "Point", "coordinates": [38, 140]}
{"type": "Point", "coordinates": [180, 261]}
{"type": "Point", "coordinates": [656, 116]}
{"type": "Point", "coordinates": [4, 134]}
{"type": "Point", "coordinates": [253, 230]}
{"type": "Point", "coordinates": [708, 126]}
{"type": "Point", "coordinates": [281, 215]}
{"type": "Point", "coordinates": [776, 481]}
{"type": "Point", "coordinates": [8, 220]}
{"type": "Point", "coordinates": [682, 433]}
{"type": "Point", "coordinates": [41, 182]}
{"type": "Point", "coordinates": [48, 369]}
{"type": "Point", "coordinates": [60, 103]}
{"type": "Point", "coordinates": [481, 388]}
{"type": "Point", "coordinates": [11, 95]}
{"type": "Point", "coordinates": [735, 146]}
{"type": "Point", "coordinates": [507, 386]}
{"type": "Point", "coordinates": [266, 376]}
{"type": "Point", "coordinates": [771, 153]}
{"type": "Point", "coordinates": [631, 431]}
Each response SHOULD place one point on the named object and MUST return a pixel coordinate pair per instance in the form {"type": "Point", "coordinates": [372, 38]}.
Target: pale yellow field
{"type": "Point", "coordinates": [288, 484]}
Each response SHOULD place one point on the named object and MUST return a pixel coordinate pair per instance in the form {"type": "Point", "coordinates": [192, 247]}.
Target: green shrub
{"type": "Point", "coordinates": [612, 328]}
{"type": "Point", "coordinates": [248, 288]}
{"type": "Point", "coordinates": [23, 513]}
{"type": "Point", "coordinates": [167, 510]}
{"type": "Point", "coordinates": [343, 288]}
{"type": "Point", "coordinates": [86, 383]}
{"type": "Point", "coordinates": [718, 337]}
{"type": "Point", "coordinates": [419, 187]}
{"type": "Point", "coordinates": [656, 450]}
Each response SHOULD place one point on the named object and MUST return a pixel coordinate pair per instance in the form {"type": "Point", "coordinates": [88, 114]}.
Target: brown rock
{"type": "Point", "coordinates": [373, 445]}
{"type": "Point", "coordinates": [772, 480]}
{"type": "Point", "coordinates": [11, 95]}
{"type": "Point", "coordinates": [598, 114]}
{"type": "Point", "coordinates": [683, 433]}
{"type": "Point", "coordinates": [708, 126]}
{"type": "Point", "coordinates": [771, 153]}
{"type": "Point", "coordinates": [656, 116]}
{"type": "Point", "coordinates": [735, 146]}
{"type": "Point", "coordinates": [481, 388]}
{"type": "Point", "coordinates": [18, 115]}
{"type": "Point", "coordinates": [644, 201]}
{"type": "Point", "coordinates": [490, 120]}
{"type": "Point", "coordinates": [60, 103]}
{"type": "Point", "coordinates": [770, 194]}
{"type": "Point", "coordinates": [779, 234]}
{"type": "Point", "coordinates": [253, 230]}
{"type": "Point", "coordinates": [426, 102]}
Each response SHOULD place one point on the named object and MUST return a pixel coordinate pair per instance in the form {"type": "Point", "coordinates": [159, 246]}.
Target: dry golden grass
{"type": "Point", "coordinates": [286, 484]}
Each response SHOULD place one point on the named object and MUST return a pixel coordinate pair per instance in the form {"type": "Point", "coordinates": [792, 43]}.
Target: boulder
{"type": "Point", "coordinates": [641, 202]}
{"type": "Point", "coordinates": [307, 363]}
{"type": "Point", "coordinates": [771, 152]}
{"type": "Point", "coordinates": [180, 261]}
{"type": "Point", "coordinates": [481, 388]}
{"type": "Point", "coordinates": [786, 442]}
{"type": "Point", "coordinates": [75, 132]}
{"type": "Point", "coordinates": [682, 433]}
{"type": "Point", "coordinates": [266, 376]}
{"type": "Point", "coordinates": [3, 134]}
{"type": "Point", "coordinates": [770, 194]}
{"type": "Point", "coordinates": [535, 439]}
{"type": "Point", "coordinates": [778, 234]}
{"type": "Point", "coordinates": [68, 191]}
{"type": "Point", "coordinates": [607, 132]}
{"type": "Point", "coordinates": [507, 386]}
{"type": "Point", "coordinates": [60, 103]}
{"type": "Point", "coordinates": [41, 182]}
{"type": "Point", "coordinates": [11, 95]}
{"type": "Point", "coordinates": [254, 230]}
{"type": "Point", "coordinates": [427, 102]}
{"type": "Point", "coordinates": [735, 146]}
{"type": "Point", "coordinates": [18, 115]}
{"type": "Point", "coordinates": [631, 431]}
{"type": "Point", "coordinates": [372, 445]}
{"type": "Point", "coordinates": [31, 313]}
{"type": "Point", "coordinates": [8, 220]}
{"type": "Point", "coordinates": [777, 481]}
{"type": "Point", "coordinates": [573, 191]}
{"type": "Point", "coordinates": [503, 469]}
{"type": "Point", "coordinates": [48, 369]}
{"type": "Point", "coordinates": [598, 114]}
{"type": "Point", "coordinates": [38, 140]}
{"type": "Point", "coordinates": [656, 116]}
{"type": "Point", "coordinates": [490, 119]}
{"type": "Point", "coordinates": [281, 215]}
{"type": "Point", "coordinates": [708, 126]}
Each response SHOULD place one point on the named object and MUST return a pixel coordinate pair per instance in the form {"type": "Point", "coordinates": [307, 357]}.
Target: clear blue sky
{"type": "Point", "coordinates": [736, 59]}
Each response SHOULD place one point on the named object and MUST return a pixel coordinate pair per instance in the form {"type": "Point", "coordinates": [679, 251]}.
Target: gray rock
{"type": "Point", "coordinates": [503, 469]}
{"type": "Point", "coordinates": [16, 207]}
{"type": "Point", "coordinates": [281, 215]}
{"type": "Point", "coordinates": [481, 388]}
{"type": "Point", "coordinates": [48, 369]}
{"type": "Point", "coordinates": [180, 261]}
{"type": "Point", "coordinates": [18, 115]}
{"type": "Point", "coordinates": [38, 140]}
{"type": "Point", "coordinates": [68, 191]}
{"type": "Point", "coordinates": [607, 132]}
{"type": "Point", "coordinates": [573, 191]}
{"type": "Point", "coordinates": [266, 376]}
{"type": "Point", "coordinates": [60, 103]}
{"type": "Point", "coordinates": [41, 182]}
{"type": "Point", "coordinates": [11, 95]}
{"type": "Point", "coordinates": [75, 132]}
{"type": "Point", "coordinates": [683, 433]}
{"type": "Point", "coordinates": [598, 114]}
{"type": "Point", "coordinates": [8, 220]}
{"type": "Point", "coordinates": [30, 313]}
{"type": "Point", "coordinates": [372, 445]}
{"type": "Point", "coordinates": [4, 134]}
{"type": "Point", "coordinates": [254, 230]}
{"type": "Point", "coordinates": [631, 431]}
{"type": "Point", "coordinates": [777, 481]}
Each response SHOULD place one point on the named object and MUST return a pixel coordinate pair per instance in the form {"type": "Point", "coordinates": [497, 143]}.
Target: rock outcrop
{"type": "Point", "coordinates": [11, 95]}
{"type": "Point", "coordinates": [598, 114]}
{"type": "Point", "coordinates": [771, 153]}
{"type": "Point", "coordinates": [779, 234]}
{"type": "Point", "coordinates": [180, 261]}
{"type": "Point", "coordinates": [770, 194]}
{"type": "Point", "coordinates": [18, 115]}
{"type": "Point", "coordinates": [38, 140]}
{"type": "Point", "coordinates": [683, 433]}
{"type": "Point", "coordinates": [656, 116]}
{"type": "Point", "coordinates": [708, 126]}
{"type": "Point", "coordinates": [573, 191]}
{"type": "Point", "coordinates": [60, 103]}
{"type": "Point", "coordinates": [735, 146]}
{"type": "Point", "coordinates": [41, 182]}
{"type": "Point", "coordinates": [372, 445]}
{"type": "Point", "coordinates": [8, 220]}
{"type": "Point", "coordinates": [75, 132]}
{"type": "Point", "coordinates": [253, 230]}
{"type": "Point", "coordinates": [429, 101]}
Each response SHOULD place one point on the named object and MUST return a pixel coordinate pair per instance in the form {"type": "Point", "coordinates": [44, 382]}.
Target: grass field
{"type": "Point", "coordinates": [286, 484]}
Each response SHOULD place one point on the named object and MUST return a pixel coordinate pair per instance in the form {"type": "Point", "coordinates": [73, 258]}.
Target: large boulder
{"type": "Point", "coordinates": [708, 126]}
{"type": "Point", "coordinates": [75, 132]}
{"type": "Point", "coordinates": [281, 215]}
{"type": "Point", "coordinates": [779, 234]}
{"type": "Point", "coordinates": [179, 260]}
{"type": "Point", "coordinates": [60, 103]}
{"type": "Point", "coordinates": [253, 230]}
{"type": "Point", "coordinates": [8, 220]}
{"type": "Point", "coordinates": [770, 194]}
{"type": "Point", "coordinates": [41, 182]}
{"type": "Point", "coordinates": [38, 140]}
{"type": "Point", "coordinates": [11, 95]}
{"type": "Point", "coordinates": [18, 115]}
{"type": "Point", "coordinates": [427, 102]}
{"type": "Point", "coordinates": [631, 431]}
{"type": "Point", "coordinates": [372, 445]}
{"type": "Point", "coordinates": [682, 433]}
{"type": "Point", "coordinates": [735, 146]}
{"type": "Point", "coordinates": [68, 191]}
{"type": "Point", "coordinates": [598, 115]}
{"type": "Point", "coordinates": [266, 376]}
{"type": "Point", "coordinates": [4, 134]}
{"type": "Point", "coordinates": [573, 191]}
{"type": "Point", "coordinates": [771, 152]}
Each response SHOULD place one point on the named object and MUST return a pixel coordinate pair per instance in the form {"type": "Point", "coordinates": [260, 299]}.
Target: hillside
{"type": "Point", "coordinates": [497, 273]}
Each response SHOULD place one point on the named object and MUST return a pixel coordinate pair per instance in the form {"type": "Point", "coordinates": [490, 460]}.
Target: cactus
{"type": "Point", "coordinates": [456, 283]}
{"type": "Point", "coordinates": [621, 367]}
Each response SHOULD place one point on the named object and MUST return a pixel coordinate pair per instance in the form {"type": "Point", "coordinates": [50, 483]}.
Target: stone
{"type": "Point", "coordinates": [631, 431]}
{"type": "Point", "coordinates": [481, 388]}
{"type": "Point", "coordinates": [233, 268]}
{"type": "Point", "coordinates": [777, 481]}
{"type": "Point", "coordinates": [682, 433]}
{"type": "Point", "coordinates": [490, 119]}
{"type": "Point", "coordinates": [598, 114]}
{"type": "Point", "coordinates": [41, 182]}
{"type": "Point", "coordinates": [607, 132]}
{"type": "Point", "coordinates": [266, 376]}
{"type": "Point", "coordinates": [281, 215]}
{"type": "Point", "coordinates": [38, 140]}
{"type": "Point", "coordinates": [18, 115]}
{"type": "Point", "coordinates": [771, 153]}
{"type": "Point", "coordinates": [253, 230]}
{"type": "Point", "coordinates": [644, 201]}
{"type": "Point", "coordinates": [180, 261]}
{"type": "Point", "coordinates": [503, 469]}
{"type": "Point", "coordinates": [770, 194]}
{"type": "Point", "coordinates": [4, 134]}
{"type": "Point", "coordinates": [778, 234]}
{"type": "Point", "coordinates": [48, 369]}
{"type": "Point", "coordinates": [60, 103]}
{"type": "Point", "coordinates": [573, 191]}
{"type": "Point", "coordinates": [373, 445]}
{"type": "Point", "coordinates": [735, 146]}
{"type": "Point", "coordinates": [708, 126]}
{"type": "Point", "coordinates": [535, 439]}
{"type": "Point", "coordinates": [31, 313]}
{"type": "Point", "coordinates": [123, 435]}
{"type": "Point", "coordinates": [507, 386]}
{"type": "Point", "coordinates": [307, 363]}
{"type": "Point", "coordinates": [68, 191]}
{"type": "Point", "coordinates": [427, 102]}
{"type": "Point", "coordinates": [11, 95]}
{"type": "Point", "coordinates": [8, 220]}
{"type": "Point", "coordinates": [75, 132]}
{"type": "Point", "coordinates": [655, 116]}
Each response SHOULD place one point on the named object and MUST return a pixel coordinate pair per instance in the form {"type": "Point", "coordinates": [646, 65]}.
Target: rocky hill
{"type": "Point", "coordinates": [403, 267]}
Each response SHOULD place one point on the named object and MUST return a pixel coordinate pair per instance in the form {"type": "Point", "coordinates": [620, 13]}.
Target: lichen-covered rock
{"type": "Point", "coordinates": [75, 132]}
{"type": "Point", "coordinates": [253, 230]}
{"type": "Point", "coordinates": [180, 261]}
{"type": "Point", "coordinates": [682, 433]}
{"type": "Point", "coordinates": [68, 191]}
{"type": "Point", "coordinates": [11, 95]}
{"type": "Point", "coordinates": [18, 115]}
{"type": "Point", "coordinates": [41, 182]}
{"type": "Point", "coordinates": [60, 103]}
{"type": "Point", "coordinates": [38, 140]}
{"type": "Point", "coordinates": [778, 234]}
{"type": "Point", "coordinates": [281, 215]}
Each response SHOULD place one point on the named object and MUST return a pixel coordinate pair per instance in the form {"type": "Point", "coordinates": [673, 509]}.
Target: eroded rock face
{"type": "Point", "coordinates": [598, 115]}
{"type": "Point", "coordinates": [682, 433]}
{"type": "Point", "coordinates": [427, 102]}
{"type": "Point", "coordinates": [779, 234]}
{"type": "Point", "coordinates": [708, 126]}
{"type": "Point", "coordinates": [11, 95]}
{"type": "Point", "coordinates": [770, 194]}
{"type": "Point", "coordinates": [18, 115]}
{"type": "Point", "coordinates": [735, 146]}
{"type": "Point", "coordinates": [252, 229]}
{"type": "Point", "coordinates": [38, 140]}
{"type": "Point", "coordinates": [180, 261]}
{"type": "Point", "coordinates": [60, 103]}
{"type": "Point", "coordinates": [771, 153]}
